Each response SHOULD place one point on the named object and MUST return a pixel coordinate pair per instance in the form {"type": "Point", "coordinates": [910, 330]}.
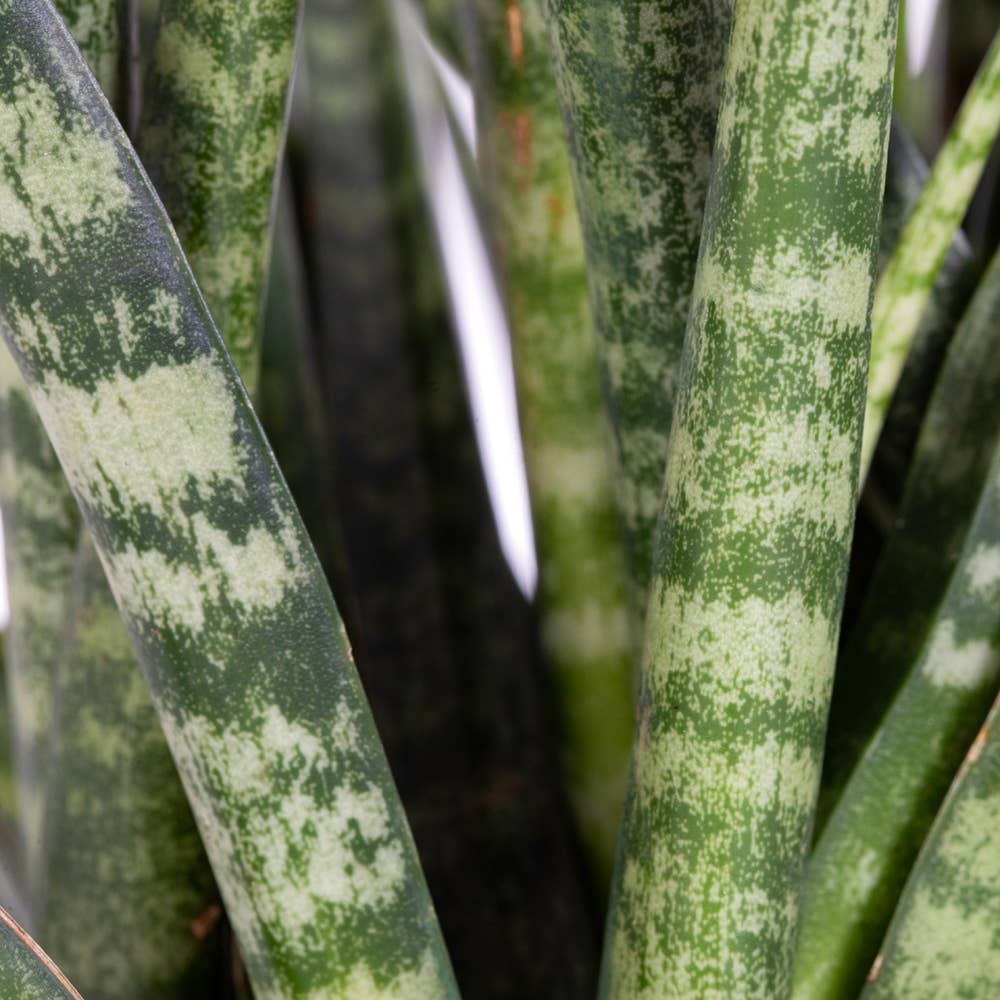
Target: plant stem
{"type": "Point", "coordinates": [758, 510]}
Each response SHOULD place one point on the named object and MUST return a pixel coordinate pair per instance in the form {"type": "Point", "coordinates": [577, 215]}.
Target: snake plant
{"type": "Point", "coordinates": [231, 290]}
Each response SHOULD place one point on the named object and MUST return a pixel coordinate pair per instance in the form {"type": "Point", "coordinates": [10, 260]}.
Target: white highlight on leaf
{"type": "Point", "coordinates": [484, 340]}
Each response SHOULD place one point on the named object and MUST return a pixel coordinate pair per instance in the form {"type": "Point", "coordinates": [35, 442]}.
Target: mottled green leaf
{"type": "Point", "coordinates": [98, 27]}
{"type": "Point", "coordinates": [758, 510]}
{"type": "Point", "coordinates": [40, 518]}
{"type": "Point", "coordinates": [126, 904]}
{"type": "Point", "coordinates": [948, 471]}
{"type": "Point", "coordinates": [639, 86]}
{"type": "Point", "coordinates": [41, 527]}
{"type": "Point", "coordinates": [873, 835]}
{"type": "Point", "coordinates": [953, 287]}
{"type": "Point", "coordinates": [944, 940]}
{"type": "Point", "coordinates": [212, 129]}
{"type": "Point", "coordinates": [224, 599]}
{"type": "Point", "coordinates": [905, 286]}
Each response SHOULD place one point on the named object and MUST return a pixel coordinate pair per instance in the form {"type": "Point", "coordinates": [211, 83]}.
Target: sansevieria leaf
{"type": "Point", "coordinates": [863, 856]}
{"type": "Point", "coordinates": [444, 648]}
{"type": "Point", "coordinates": [225, 602]}
{"type": "Point", "coordinates": [759, 510]}
{"type": "Point", "coordinates": [212, 129]}
{"type": "Point", "coordinates": [123, 896]}
{"type": "Point", "coordinates": [948, 472]}
{"type": "Point", "coordinates": [639, 87]}
{"type": "Point", "coordinates": [943, 941]}
{"type": "Point", "coordinates": [956, 280]}
{"type": "Point", "coordinates": [99, 28]}
{"type": "Point", "coordinates": [905, 285]}
{"type": "Point", "coordinates": [26, 972]}
{"type": "Point", "coordinates": [41, 529]}
{"type": "Point", "coordinates": [126, 903]}
{"type": "Point", "coordinates": [41, 520]}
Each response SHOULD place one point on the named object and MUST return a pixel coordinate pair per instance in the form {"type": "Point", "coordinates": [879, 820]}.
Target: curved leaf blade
{"type": "Point", "coordinates": [225, 601]}
{"type": "Point", "coordinates": [873, 835]}
{"type": "Point", "coordinates": [949, 468]}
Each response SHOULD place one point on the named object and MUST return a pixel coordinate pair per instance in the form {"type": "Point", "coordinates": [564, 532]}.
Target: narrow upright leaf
{"type": "Point", "coordinates": [291, 405]}
{"type": "Point", "coordinates": [40, 517]}
{"type": "Point", "coordinates": [8, 798]}
{"type": "Point", "coordinates": [905, 286]}
{"type": "Point", "coordinates": [113, 800]}
{"type": "Point", "coordinates": [226, 605]}
{"type": "Point", "coordinates": [949, 469]}
{"type": "Point", "coordinates": [98, 27]}
{"type": "Point", "coordinates": [953, 288]}
{"type": "Point", "coordinates": [41, 527]}
{"type": "Point", "coordinates": [444, 649]}
{"type": "Point", "coordinates": [585, 629]}
{"type": "Point", "coordinates": [943, 941]}
{"type": "Point", "coordinates": [759, 510]}
{"type": "Point", "coordinates": [448, 28]}
{"type": "Point", "coordinates": [873, 835]}
{"type": "Point", "coordinates": [639, 86]}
